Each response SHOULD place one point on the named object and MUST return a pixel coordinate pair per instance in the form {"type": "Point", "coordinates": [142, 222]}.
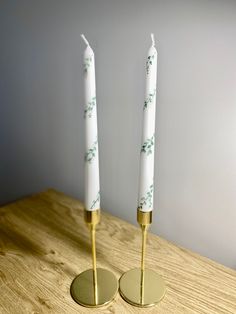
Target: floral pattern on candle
{"type": "Point", "coordinates": [147, 199]}
{"type": "Point", "coordinates": [89, 108]}
{"type": "Point", "coordinates": [148, 145]}
{"type": "Point", "coordinates": [149, 63]}
{"type": "Point", "coordinates": [149, 99]}
{"type": "Point", "coordinates": [87, 63]}
{"type": "Point", "coordinates": [146, 172]}
{"type": "Point", "coordinates": [91, 153]}
{"type": "Point", "coordinates": [92, 178]}
{"type": "Point", "coordinates": [95, 201]}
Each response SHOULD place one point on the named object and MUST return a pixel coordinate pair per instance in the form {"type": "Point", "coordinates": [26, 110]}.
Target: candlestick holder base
{"type": "Point", "coordinates": [94, 287]}
{"type": "Point", "coordinates": [140, 286]}
{"type": "Point", "coordinates": [84, 292]}
{"type": "Point", "coordinates": [131, 287]}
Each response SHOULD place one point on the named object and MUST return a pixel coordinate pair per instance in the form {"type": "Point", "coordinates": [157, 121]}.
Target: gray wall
{"type": "Point", "coordinates": [41, 109]}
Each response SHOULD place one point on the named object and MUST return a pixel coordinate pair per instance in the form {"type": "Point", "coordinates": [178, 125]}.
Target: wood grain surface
{"type": "Point", "coordinates": [44, 244]}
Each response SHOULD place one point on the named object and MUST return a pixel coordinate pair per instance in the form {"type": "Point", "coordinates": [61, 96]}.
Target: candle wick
{"type": "Point", "coordinates": [84, 39]}
{"type": "Point", "coordinates": [153, 39]}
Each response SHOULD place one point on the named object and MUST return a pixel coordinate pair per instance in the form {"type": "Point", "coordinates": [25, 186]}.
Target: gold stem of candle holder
{"type": "Point", "coordinates": [94, 287]}
{"type": "Point", "coordinates": [140, 286]}
{"type": "Point", "coordinates": [144, 239]}
{"type": "Point", "coordinates": [94, 261]}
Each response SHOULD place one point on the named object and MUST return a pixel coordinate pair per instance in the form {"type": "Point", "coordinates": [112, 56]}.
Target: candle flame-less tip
{"type": "Point", "coordinates": [153, 39]}
{"type": "Point", "coordinates": [84, 39]}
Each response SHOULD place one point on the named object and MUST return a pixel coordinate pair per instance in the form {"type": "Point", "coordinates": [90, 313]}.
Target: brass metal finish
{"type": "Point", "coordinates": [94, 260]}
{"type": "Point", "coordinates": [144, 218]}
{"type": "Point", "coordinates": [92, 216]}
{"type": "Point", "coordinates": [82, 288]}
{"type": "Point", "coordinates": [94, 287]}
{"type": "Point", "coordinates": [142, 287]}
{"type": "Point", "coordinates": [132, 291]}
{"type": "Point", "coordinates": [144, 240]}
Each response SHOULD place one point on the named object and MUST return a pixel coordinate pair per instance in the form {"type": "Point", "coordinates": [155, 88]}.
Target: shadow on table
{"type": "Point", "coordinates": [22, 231]}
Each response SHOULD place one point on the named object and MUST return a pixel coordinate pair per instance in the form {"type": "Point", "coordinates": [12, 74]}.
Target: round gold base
{"type": "Point", "coordinates": [152, 291]}
{"type": "Point", "coordinates": [83, 291]}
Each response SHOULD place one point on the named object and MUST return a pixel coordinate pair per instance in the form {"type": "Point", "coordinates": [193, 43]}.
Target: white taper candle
{"type": "Point", "coordinates": [146, 183]}
{"type": "Point", "coordinates": [92, 184]}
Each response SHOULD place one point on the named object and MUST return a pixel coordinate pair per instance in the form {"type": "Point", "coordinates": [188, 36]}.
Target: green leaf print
{"type": "Point", "coordinates": [149, 62]}
{"type": "Point", "coordinates": [91, 153]}
{"type": "Point", "coordinates": [149, 99]}
{"type": "Point", "coordinates": [89, 108]}
{"type": "Point", "coordinates": [147, 199]}
{"type": "Point", "coordinates": [148, 146]}
{"type": "Point", "coordinates": [87, 63]}
{"type": "Point", "coordinates": [97, 199]}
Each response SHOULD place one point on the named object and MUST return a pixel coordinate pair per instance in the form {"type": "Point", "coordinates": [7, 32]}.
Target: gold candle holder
{"type": "Point", "coordinates": [140, 286]}
{"type": "Point", "coordinates": [94, 287]}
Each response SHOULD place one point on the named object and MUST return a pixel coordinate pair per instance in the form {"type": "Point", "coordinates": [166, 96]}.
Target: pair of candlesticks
{"type": "Point", "coordinates": [98, 287]}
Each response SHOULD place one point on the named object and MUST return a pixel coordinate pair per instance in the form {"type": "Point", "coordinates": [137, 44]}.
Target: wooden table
{"type": "Point", "coordinates": [44, 244]}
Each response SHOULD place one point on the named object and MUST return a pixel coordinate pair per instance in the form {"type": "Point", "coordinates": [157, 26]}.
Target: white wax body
{"type": "Point", "coordinates": [92, 184]}
{"type": "Point", "coordinates": [146, 174]}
